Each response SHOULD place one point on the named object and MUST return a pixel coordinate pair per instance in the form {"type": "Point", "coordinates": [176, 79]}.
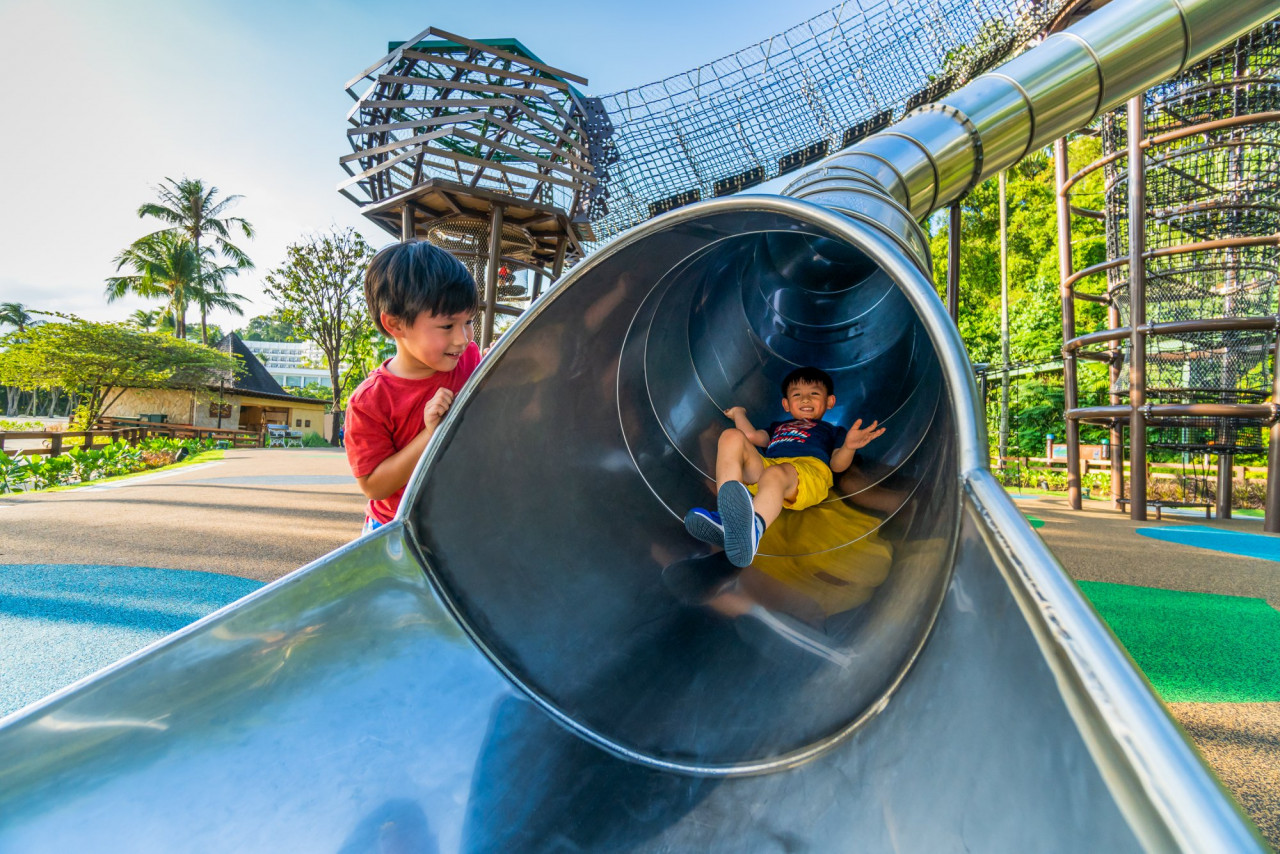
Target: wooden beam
{"type": "Point", "coordinates": [361, 130]}
{"type": "Point", "coordinates": [463, 86]}
{"type": "Point", "coordinates": [487, 69]}
{"type": "Point", "coordinates": [392, 146]}
{"type": "Point", "coordinates": [493, 164]}
{"type": "Point", "coordinates": [431, 103]}
{"type": "Point", "coordinates": [485, 48]}
{"type": "Point", "coordinates": [527, 157]}
{"type": "Point", "coordinates": [568, 155]}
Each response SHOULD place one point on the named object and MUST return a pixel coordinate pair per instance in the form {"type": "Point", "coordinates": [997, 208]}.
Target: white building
{"type": "Point", "coordinates": [292, 363]}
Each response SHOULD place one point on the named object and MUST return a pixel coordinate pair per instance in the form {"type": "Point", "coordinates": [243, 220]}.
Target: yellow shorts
{"type": "Point", "coordinates": [815, 480]}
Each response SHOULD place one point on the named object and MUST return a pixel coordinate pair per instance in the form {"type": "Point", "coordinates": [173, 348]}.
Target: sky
{"type": "Point", "coordinates": [104, 100]}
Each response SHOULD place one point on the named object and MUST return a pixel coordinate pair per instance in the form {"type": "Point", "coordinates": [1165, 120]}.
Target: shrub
{"type": "Point", "coordinates": [21, 426]}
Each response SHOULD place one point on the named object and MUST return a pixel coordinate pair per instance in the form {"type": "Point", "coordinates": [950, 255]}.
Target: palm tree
{"type": "Point", "coordinates": [194, 211]}
{"type": "Point", "coordinates": [165, 266]}
{"type": "Point", "coordinates": [15, 314]}
{"type": "Point", "coordinates": [144, 320]}
{"type": "Point", "coordinates": [212, 293]}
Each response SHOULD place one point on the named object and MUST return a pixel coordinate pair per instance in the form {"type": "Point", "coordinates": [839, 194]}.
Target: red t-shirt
{"type": "Point", "coordinates": [385, 414]}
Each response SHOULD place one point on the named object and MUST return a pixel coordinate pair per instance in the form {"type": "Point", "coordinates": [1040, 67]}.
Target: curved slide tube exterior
{"type": "Point", "coordinates": [535, 656]}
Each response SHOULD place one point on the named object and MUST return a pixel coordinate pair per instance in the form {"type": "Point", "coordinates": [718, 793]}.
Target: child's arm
{"type": "Point", "coordinates": [738, 414]}
{"type": "Point", "coordinates": [393, 473]}
{"type": "Point", "coordinates": [857, 437]}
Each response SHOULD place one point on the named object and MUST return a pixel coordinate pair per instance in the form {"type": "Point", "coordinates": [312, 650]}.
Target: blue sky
{"type": "Point", "coordinates": [102, 100]}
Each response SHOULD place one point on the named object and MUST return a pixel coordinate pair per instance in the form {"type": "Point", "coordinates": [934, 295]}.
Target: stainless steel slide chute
{"type": "Point", "coordinates": [536, 657]}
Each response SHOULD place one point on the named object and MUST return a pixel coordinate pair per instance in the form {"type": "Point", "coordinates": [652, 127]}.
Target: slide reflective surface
{"type": "Point", "coordinates": [536, 657]}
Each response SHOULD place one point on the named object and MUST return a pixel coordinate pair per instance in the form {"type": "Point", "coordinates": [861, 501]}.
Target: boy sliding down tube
{"type": "Point", "coordinates": [423, 298]}
{"type": "Point", "coordinates": [794, 472]}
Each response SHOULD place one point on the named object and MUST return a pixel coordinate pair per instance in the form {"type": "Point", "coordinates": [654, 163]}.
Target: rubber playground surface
{"type": "Point", "coordinates": [1195, 605]}
{"type": "Point", "coordinates": [90, 576]}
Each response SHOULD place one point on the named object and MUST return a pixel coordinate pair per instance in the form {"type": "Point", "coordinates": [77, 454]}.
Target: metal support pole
{"type": "Point", "coordinates": [1225, 484]}
{"type": "Point", "coordinates": [1004, 324]}
{"type": "Point", "coordinates": [1137, 316]}
{"type": "Point", "coordinates": [407, 229]}
{"type": "Point", "coordinates": [491, 276]}
{"type": "Point", "coordinates": [1271, 524]}
{"type": "Point", "coordinates": [557, 266]}
{"type": "Point", "coordinates": [537, 286]}
{"type": "Point", "coordinates": [1070, 391]}
{"type": "Point", "coordinates": [953, 263]}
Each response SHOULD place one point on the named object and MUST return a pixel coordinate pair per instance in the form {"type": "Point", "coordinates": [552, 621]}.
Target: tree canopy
{"type": "Point", "coordinates": [189, 262]}
{"type": "Point", "coordinates": [319, 290]}
{"type": "Point", "coordinates": [270, 327]}
{"type": "Point", "coordinates": [101, 360]}
{"type": "Point", "coordinates": [1035, 317]}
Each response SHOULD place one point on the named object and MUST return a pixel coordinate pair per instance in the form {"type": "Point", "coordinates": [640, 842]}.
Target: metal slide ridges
{"type": "Point", "coordinates": [573, 672]}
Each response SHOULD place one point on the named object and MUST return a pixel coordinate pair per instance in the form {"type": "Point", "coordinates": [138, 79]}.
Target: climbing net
{"type": "Point", "coordinates": [1213, 190]}
{"type": "Point", "coordinates": [791, 99]}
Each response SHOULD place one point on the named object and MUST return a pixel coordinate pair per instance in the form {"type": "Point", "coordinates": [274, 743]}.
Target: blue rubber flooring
{"type": "Point", "coordinates": [61, 623]}
{"type": "Point", "coordinates": [1232, 542]}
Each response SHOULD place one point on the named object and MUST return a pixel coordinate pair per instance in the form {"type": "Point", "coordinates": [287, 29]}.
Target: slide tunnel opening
{"type": "Point", "coordinates": [599, 414]}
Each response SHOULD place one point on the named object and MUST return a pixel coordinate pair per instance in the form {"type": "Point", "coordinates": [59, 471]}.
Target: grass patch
{"type": "Point", "coordinates": [1195, 647]}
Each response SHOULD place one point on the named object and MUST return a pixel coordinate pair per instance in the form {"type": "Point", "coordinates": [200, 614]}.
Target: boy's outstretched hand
{"type": "Point", "coordinates": [433, 413]}
{"type": "Point", "coordinates": [859, 436]}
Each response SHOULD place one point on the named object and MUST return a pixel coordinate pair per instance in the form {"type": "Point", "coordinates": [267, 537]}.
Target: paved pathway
{"type": "Point", "coordinates": [257, 514]}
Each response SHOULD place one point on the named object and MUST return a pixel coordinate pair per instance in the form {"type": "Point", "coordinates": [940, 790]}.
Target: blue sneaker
{"type": "Point", "coordinates": [705, 525]}
{"type": "Point", "coordinates": [742, 526]}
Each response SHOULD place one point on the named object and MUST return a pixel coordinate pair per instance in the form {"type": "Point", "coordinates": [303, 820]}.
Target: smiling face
{"type": "Point", "coordinates": [807, 400]}
{"type": "Point", "coordinates": [431, 344]}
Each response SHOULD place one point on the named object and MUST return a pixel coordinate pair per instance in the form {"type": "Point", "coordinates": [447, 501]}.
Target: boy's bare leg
{"type": "Point", "coordinates": [737, 459]}
{"type": "Point", "coordinates": [776, 484]}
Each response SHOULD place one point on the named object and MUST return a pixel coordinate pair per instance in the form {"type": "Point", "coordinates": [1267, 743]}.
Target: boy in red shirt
{"type": "Point", "coordinates": [424, 298]}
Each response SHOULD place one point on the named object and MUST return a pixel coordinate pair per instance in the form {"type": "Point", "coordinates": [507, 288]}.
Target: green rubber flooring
{"type": "Point", "coordinates": [1195, 647]}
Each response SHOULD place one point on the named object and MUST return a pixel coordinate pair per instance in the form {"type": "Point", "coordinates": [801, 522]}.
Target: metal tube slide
{"type": "Point", "coordinates": [535, 656]}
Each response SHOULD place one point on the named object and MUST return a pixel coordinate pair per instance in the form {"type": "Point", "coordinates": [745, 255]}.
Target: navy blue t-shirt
{"type": "Point", "coordinates": [803, 438]}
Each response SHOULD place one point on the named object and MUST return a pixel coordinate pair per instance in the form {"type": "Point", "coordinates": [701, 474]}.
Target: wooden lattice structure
{"type": "Point", "coordinates": [483, 149]}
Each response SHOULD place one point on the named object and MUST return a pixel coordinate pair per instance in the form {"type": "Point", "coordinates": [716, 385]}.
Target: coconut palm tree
{"type": "Point", "coordinates": [15, 314]}
{"type": "Point", "coordinates": [165, 267]}
{"type": "Point", "coordinates": [194, 211]}
{"type": "Point", "coordinates": [144, 320]}
{"type": "Point", "coordinates": [211, 293]}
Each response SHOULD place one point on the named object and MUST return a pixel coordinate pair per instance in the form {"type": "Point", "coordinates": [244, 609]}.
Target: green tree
{"type": "Point", "coordinates": [144, 320]}
{"type": "Point", "coordinates": [313, 391]}
{"type": "Point", "coordinates": [16, 315]}
{"type": "Point", "coordinates": [1035, 316]}
{"type": "Point", "coordinates": [319, 290]}
{"type": "Point", "coordinates": [195, 213]}
{"type": "Point", "coordinates": [364, 352]}
{"type": "Point", "coordinates": [101, 360]}
{"type": "Point", "coordinates": [211, 293]}
{"type": "Point", "coordinates": [270, 327]}
{"type": "Point", "coordinates": [165, 266]}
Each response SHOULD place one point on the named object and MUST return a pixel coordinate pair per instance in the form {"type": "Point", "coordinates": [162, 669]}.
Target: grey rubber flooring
{"type": "Point", "coordinates": [257, 514]}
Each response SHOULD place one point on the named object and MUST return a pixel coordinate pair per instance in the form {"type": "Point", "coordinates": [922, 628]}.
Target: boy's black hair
{"type": "Point", "coordinates": [407, 279]}
{"type": "Point", "coordinates": [817, 376]}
